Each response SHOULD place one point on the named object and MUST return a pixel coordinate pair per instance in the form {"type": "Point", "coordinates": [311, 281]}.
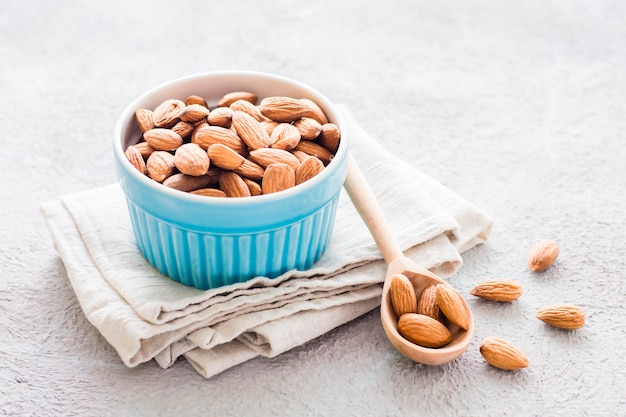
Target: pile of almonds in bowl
{"type": "Point", "coordinates": [425, 320]}
{"type": "Point", "coordinates": [240, 148]}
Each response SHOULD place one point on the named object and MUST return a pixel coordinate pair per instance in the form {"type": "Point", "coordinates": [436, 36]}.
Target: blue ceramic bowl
{"type": "Point", "coordinates": [207, 242]}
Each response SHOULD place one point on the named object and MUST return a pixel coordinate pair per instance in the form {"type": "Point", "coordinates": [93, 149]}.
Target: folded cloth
{"type": "Point", "coordinates": [145, 315]}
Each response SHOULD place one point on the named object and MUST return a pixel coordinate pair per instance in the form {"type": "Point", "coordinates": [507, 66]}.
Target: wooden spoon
{"type": "Point", "coordinates": [366, 204]}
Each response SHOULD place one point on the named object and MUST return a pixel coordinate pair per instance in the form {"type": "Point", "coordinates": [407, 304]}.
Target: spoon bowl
{"type": "Point", "coordinates": [368, 208]}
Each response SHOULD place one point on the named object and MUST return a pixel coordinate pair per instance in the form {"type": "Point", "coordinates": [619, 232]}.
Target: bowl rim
{"type": "Point", "coordinates": [130, 109]}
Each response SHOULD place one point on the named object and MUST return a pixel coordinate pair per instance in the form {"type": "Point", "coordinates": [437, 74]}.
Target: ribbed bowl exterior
{"type": "Point", "coordinates": [208, 242]}
{"type": "Point", "coordinates": [205, 260]}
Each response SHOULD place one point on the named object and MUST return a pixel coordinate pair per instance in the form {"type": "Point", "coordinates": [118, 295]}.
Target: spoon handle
{"type": "Point", "coordinates": [368, 208]}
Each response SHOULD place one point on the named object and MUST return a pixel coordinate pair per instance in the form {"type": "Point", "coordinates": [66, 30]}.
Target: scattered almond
{"type": "Point", "coordinates": [563, 316]}
{"type": "Point", "coordinates": [498, 290]}
{"type": "Point", "coordinates": [542, 255]}
{"type": "Point", "coordinates": [502, 354]}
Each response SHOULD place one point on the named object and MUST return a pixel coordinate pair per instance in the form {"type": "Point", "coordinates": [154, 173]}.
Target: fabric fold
{"type": "Point", "coordinates": [145, 315]}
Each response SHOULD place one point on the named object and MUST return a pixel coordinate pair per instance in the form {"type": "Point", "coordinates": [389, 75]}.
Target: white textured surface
{"type": "Point", "coordinates": [519, 107]}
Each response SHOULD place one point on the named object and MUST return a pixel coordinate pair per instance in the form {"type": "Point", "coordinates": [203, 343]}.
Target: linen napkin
{"type": "Point", "coordinates": [145, 315]}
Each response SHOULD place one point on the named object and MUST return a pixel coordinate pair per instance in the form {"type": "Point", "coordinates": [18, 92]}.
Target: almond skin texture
{"type": "Point", "coordinates": [194, 113]}
{"type": "Point", "coordinates": [268, 156]}
{"type": "Point", "coordinates": [209, 192]}
{"type": "Point", "coordinates": [163, 139]}
{"type": "Point", "coordinates": [423, 330]}
{"type": "Point", "coordinates": [224, 157]}
{"type": "Point", "coordinates": [160, 165]}
{"type": "Point", "coordinates": [136, 159]}
{"type": "Point", "coordinates": [144, 119]}
{"type": "Point", "coordinates": [285, 136]}
{"type": "Point", "coordinates": [309, 128]}
{"type": "Point", "coordinates": [278, 177]}
{"type": "Point", "coordinates": [167, 113]}
{"type": "Point", "coordinates": [502, 354]}
{"type": "Point", "coordinates": [232, 185]}
{"type": "Point", "coordinates": [308, 168]}
{"type": "Point", "coordinates": [206, 136]}
{"type": "Point", "coordinates": [250, 170]}
{"type": "Point", "coordinates": [403, 297]}
{"type": "Point", "coordinates": [247, 107]}
{"type": "Point", "coordinates": [230, 98]}
{"type": "Point", "coordinates": [329, 137]}
{"type": "Point", "coordinates": [316, 112]}
{"type": "Point", "coordinates": [542, 255]}
{"type": "Point", "coordinates": [314, 149]}
{"type": "Point", "coordinates": [220, 116]}
{"type": "Point", "coordinates": [250, 131]}
{"type": "Point", "coordinates": [283, 109]}
{"type": "Point", "coordinates": [563, 316]}
{"type": "Point", "coordinates": [427, 303]}
{"type": "Point", "coordinates": [187, 183]}
{"type": "Point", "coordinates": [191, 159]}
{"type": "Point", "coordinates": [451, 305]}
{"type": "Point", "coordinates": [498, 290]}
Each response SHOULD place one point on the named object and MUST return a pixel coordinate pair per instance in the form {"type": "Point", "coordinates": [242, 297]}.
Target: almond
{"type": "Point", "coordinates": [225, 157]}
{"type": "Point", "coordinates": [563, 316]}
{"type": "Point", "coordinates": [542, 255]}
{"type": "Point", "coordinates": [503, 290]}
{"type": "Point", "coordinates": [423, 330]}
{"type": "Point", "coordinates": [220, 116]}
{"type": "Point", "coordinates": [278, 177]}
{"type": "Point", "coordinates": [302, 156]}
{"type": "Point", "coordinates": [247, 107]}
{"type": "Point", "coordinates": [187, 183]}
{"type": "Point", "coordinates": [502, 354]}
{"type": "Point", "coordinates": [255, 187]}
{"type": "Point", "coordinates": [268, 156]}
{"type": "Point", "coordinates": [285, 136]}
{"type": "Point", "coordinates": [184, 129]}
{"type": "Point", "coordinates": [427, 303]}
{"type": "Point", "coordinates": [269, 126]}
{"type": "Point", "coordinates": [144, 119]}
{"type": "Point", "coordinates": [209, 192]}
{"type": "Point", "coordinates": [232, 185]}
{"type": "Point", "coordinates": [308, 168]}
{"type": "Point", "coordinates": [136, 159]}
{"type": "Point", "coordinates": [144, 148]}
{"type": "Point", "coordinates": [309, 128]}
{"type": "Point", "coordinates": [193, 99]}
{"type": "Point", "coordinates": [230, 98]}
{"type": "Point", "coordinates": [194, 113]}
{"type": "Point", "coordinates": [329, 137]}
{"type": "Point", "coordinates": [163, 139]}
{"type": "Point", "coordinates": [315, 111]}
{"type": "Point", "coordinates": [250, 131]}
{"type": "Point", "coordinates": [167, 113]}
{"type": "Point", "coordinates": [314, 149]}
{"type": "Point", "coordinates": [206, 136]}
{"type": "Point", "coordinates": [250, 170]}
{"type": "Point", "coordinates": [160, 165]}
{"type": "Point", "coordinates": [402, 293]}
{"type": "Point", "coordinates": [451, 305]}
{"type": "Point", "coordinates": [283, 109]}
{"type": "Point", "coordinates": [191, 159]}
